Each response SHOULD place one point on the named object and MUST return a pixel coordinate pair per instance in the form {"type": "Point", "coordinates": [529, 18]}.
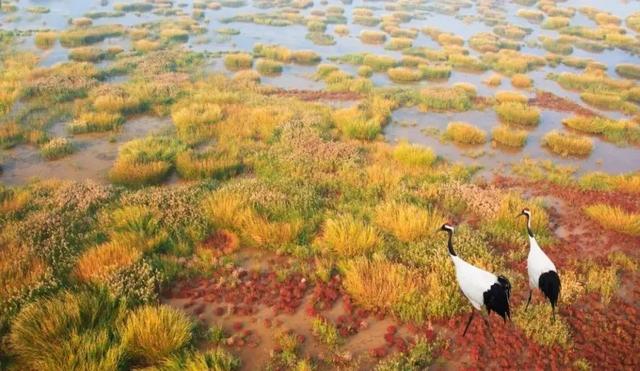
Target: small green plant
{"type": "Point", "coordinates": [326, 332]}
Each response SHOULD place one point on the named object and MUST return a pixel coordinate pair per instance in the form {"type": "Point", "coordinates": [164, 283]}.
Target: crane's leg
{"type": "Point", "coordinates": [528, 300]}
{"type": "Point", "coordinates": [553, 313]}
{"type": "Point", "coordinates": [486, 322]}
{"type": "Point", "coordinates": [468, 322]}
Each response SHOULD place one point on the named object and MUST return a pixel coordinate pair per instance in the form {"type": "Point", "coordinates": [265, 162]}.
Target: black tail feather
{"type": "Point", "coordinates": [497, 298]}
{"type": "Point", "coordinates": [549, 283]}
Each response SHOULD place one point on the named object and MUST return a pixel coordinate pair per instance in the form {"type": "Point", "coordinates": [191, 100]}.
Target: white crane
{"type": "Point", "coordinates": [542, 272]}
{"type": "Point", "coordinates": [482, 288]}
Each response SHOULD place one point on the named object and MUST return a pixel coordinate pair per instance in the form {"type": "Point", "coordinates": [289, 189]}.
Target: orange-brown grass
{"type": "Point", "coordinates": [99, 262]}
{"type": "Point", "coordinates": [615, 218]}
{"type": "Point", "coordinates": [511, 96]}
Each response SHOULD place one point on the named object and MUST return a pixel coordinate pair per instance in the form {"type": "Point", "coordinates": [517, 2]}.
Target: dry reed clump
{"type": "Point", "coordinates": [567, 144]}
{"type": "Point", "coordinates": [56, 148]}
{"type": "Point", "coordinates": [196, 121]}
{"type": "Point", "coordinates": [207, 165]}
{"type": "Point", "coordinates": [615, 218]}
{"type": "Point", "coordinates": [464, 133]}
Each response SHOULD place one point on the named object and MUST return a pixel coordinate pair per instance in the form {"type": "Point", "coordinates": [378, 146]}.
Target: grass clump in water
{"type": "Point", "coordinates": [445, 99]}
{"type": "Point", "coordinates": [619, 132]}
{"type": "Point", "coordinates": [628, 71]}
{"type": "Point", "coordinates": [268, 67]}
{"type": "Point", "coordinates": [145, 161]}
{"type": "Point", "coordinates": [238, 61]}
{"type": "Point", "coordinates": [379, 62]}
{"type": "Point", "coordinates": [404, 74]}
{"type": "Point", "coordinates": [305, 57]}
{"type": "Point", "coordinates": [518, 113]}
{"type": "Point", "coordinates": [464, 133]}
{"type": "Point", "coordinates": [521, 81]}
{"type": "Point", "coordinates": [435, 71]}
{"type": "Point", "coordinates": [45, 39]}
{"type": "Point", "coordinates": [566, 144]}
{"type": "Point", "coordinates": [373, 37]}
{"type": "Point", "coordinates": [511, 96]}
{"type": "Point", "coordinates": [56, 148]}
{"type": "Point", "coordinates": [89, 35]}
{"type": "Point", "coordinates": [509, 137]}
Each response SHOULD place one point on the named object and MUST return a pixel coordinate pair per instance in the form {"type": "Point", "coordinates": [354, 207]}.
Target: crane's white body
{"type": "Point", "coordinates": [537, 263]}
{"type": "Point", "coordinates": [473, 281]}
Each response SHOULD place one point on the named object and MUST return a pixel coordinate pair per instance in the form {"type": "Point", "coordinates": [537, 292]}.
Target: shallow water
{"type": "Point", "coordinates": [95, 154]}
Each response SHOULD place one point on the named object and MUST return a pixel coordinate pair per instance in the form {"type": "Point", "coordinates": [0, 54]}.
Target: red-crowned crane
{"type": "Point", "coordinates": [542, 272]}
{"type": "Point", "coordinates": [482, 288]}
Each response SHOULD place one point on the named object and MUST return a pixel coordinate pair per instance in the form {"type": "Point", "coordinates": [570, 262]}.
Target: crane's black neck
{"type": "Point", "coordinates": [529, 225]}
{"type": "Point", "coordinates": [450, 243]}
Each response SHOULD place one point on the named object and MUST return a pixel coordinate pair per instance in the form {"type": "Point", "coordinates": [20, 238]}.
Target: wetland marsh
{"type": "Point", "coordinates": [259, 184]}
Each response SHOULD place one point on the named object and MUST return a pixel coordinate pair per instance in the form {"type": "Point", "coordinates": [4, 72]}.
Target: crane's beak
{"type": "Point", "coordinates": [519, 215]}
